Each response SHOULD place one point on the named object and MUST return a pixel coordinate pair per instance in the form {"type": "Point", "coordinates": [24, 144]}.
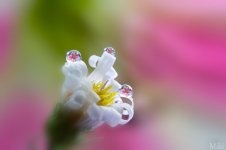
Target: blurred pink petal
{"type": "Point", "coordinates": [22, 119]}
{"type": "Point", "coordinates": [190, 57]}
{"type": "Point", "coordinates": [121, 138]}
{"type": "Point", "coordinates": [184, 9]}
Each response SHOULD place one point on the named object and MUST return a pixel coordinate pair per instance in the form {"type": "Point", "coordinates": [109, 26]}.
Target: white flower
{"type": "Point", "coordinates": [98, 95]}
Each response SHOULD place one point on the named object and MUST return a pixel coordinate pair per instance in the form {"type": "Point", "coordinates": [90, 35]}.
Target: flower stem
{"type": "Point", "coordinates": [61, 128]}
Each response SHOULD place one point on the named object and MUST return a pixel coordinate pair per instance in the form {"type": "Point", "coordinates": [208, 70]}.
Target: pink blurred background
{"type": "Point", "coordinates": [172, 52]}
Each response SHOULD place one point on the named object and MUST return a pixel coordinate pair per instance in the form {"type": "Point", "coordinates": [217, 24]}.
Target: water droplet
{"type": "Point", "coordinates": [110, 50]}
{"type": "Point", "coordinates": [126, 91]}
{"type": "Point", "coordinates": [73, 56]}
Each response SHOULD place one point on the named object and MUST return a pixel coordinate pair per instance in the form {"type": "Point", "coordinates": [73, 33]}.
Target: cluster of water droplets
{"type": "Point", "coordinates": [74, 56]}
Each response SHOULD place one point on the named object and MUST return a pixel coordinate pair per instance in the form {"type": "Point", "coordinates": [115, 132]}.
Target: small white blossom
{"type": "Point", "coordinates": [98, 94]}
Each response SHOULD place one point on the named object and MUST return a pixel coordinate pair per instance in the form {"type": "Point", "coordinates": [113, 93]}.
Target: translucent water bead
{"type": "Point", "coordinates": [73, 56]}
{"type": "Point", "coordinates": [126, 91]}
{"type": "Point", "coordinates": [110, 50]}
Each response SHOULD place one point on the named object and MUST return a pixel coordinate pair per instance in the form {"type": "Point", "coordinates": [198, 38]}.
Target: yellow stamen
{"type": "Point", "coordinates": [106, 96]}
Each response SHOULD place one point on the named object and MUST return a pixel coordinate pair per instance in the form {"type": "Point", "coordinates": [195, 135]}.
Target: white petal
{"type": "Point", "coordinates": [95, 112]}
{"type": "Point", "coordinates": [77, 100]}
{"type": "Point", "coordinates": [93, 61]}
{"type": "Point", "coordinates": [111, 116]}
{"type": "Point", "coordinates": [117, 99]}
{"type": "Point", "coordinates": [115, 85]}
{"type": "Point", "coordinates": [93, 97]}
{"type": "Point", "coordinates": [111, 74]}
{"type": "Point", "coordinates": [74, 73]}
{"type": "Point", "coordinates": [130, 100]}
{"type": "Point", "coordinates": [78, 69]}
{"type": "Point", "coordinates": [71, 81]}
{"type": "Point", "coordinates": [130, 112]}
{"type": "Point", "coordinates": [125, 112]}
{"type": "Point", "coordinates": [106, 61]}
{"type": "Point", "coordinates": [118, 107]}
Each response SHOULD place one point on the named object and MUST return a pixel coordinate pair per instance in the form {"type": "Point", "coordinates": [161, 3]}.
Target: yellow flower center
{"type": "Point", "coordinates": [106, 96]}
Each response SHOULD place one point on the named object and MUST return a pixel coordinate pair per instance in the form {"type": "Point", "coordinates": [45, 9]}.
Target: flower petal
{"type": "Point", "coordinates": [71, 82]}
{"type": "Point", "coordinates": [118, 107]}
{"type": "Point", "coordinates": [130, 111]}
{"type": "Point", "coordinates": [129, 100]}
{"type": "Point", "coordinates": [106, 61]}
{"type": "Point", "coordinates": [93, 61]}
{"type": "Point", "coordinates": [115, 85]}
{"type": "Point", "coordinates": [78, 69]}
{"type": "Point", "coordinates": [118, 100]}
{"type": "Point", "coordinates": [74, 72]}
{"type": "Point", "coordinates": [111, 74]}
{"type": "Point", "coordinates": [111, 116]}
{"type": "Point", "coordinates": [93, 97]}
{"type": "Point", "coordinates": [95, 112]}
{"type": "Point", "coordinates": [77, 100]}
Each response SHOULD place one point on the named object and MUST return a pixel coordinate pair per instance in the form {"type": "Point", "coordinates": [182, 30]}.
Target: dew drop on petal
{"type": "Point", "coordinates": [110, 50]}
{"type": "Point", "coordinates": [73, 56]}
{"type": "Point", "coordinates": [126, 91]}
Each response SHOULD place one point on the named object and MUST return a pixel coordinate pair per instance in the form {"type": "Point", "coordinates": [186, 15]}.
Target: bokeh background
{"type": "Point", "coordinates": [172, 52]}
